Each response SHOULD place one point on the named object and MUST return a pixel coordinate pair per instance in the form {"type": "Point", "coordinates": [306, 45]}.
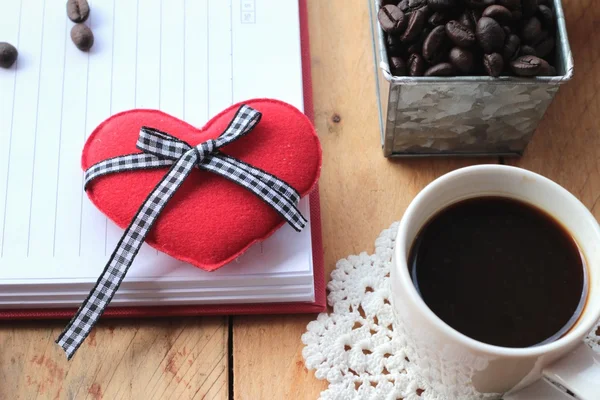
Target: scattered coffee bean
{"type": "Point", "coordinates": [532, 30]}
{"type": "Point", "coordinates": [494, 64]}
{"type": "Point", "coordinates": [416, 22]}
{"type": "Point", "coordinates": [544, 47]}
{"type": "Point", "coordinates": [501, 14]}
{"type": "Point", "coordinates": [391, 19]}
{"type": "Point", "coordinates": [528, 7]}
{"type": "Point", "coordinates": [398, 66]}
{"type": "Point", "coordinates": [82, 36]}
{"type": "Point", "coordinates": [527, 65]}
{"type": "Point", "coordinates": [403, 5]}
{"type": "Point", "coordinates": [416, 65]}
{"type": "Point", "coordinates": [546, 16]}
{"type": "Point", "coordinates": [8, 55]}
{"type": "Point", "coordinates": [490, 35]}
{"type": "Point", "coordinates": [460, 34]}
{"type": "Point", "coordinates": [526, 50]}
{"type": "Point", "coordinates": [441, 5]}
{"type": "Point", "coordinates": [442, 69]}
{"type": "Point", "coordinates": [78, 10]}
{"type": "Point", "coordinates": [434, 44]}
{"type": "Point", "coordinates": [511, 47]}
{"type": "Point", "coordinates": [462, 59]}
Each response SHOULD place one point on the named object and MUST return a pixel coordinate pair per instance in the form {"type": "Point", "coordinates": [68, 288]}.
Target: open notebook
{"type": "Point", "coordinates": [189, 58]}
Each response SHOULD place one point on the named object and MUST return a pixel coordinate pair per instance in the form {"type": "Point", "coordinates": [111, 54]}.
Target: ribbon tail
{"type": "Point", "coordinates": [122, 257]}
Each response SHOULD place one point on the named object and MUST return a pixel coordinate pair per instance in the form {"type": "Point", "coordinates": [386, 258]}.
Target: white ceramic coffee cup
{"type": "Point", "coordinates": [463, 368]}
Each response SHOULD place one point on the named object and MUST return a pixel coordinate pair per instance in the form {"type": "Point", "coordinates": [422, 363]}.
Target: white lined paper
{"type": "Point", "coordinates": [188, 58]}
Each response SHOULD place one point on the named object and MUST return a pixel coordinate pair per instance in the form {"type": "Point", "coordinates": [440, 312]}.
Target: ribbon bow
{"type": "Point", "coordinates": [161, 150]}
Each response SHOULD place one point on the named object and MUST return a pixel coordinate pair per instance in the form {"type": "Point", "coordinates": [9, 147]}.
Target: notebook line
{"type": "Point", "coordinates": [160, 26]}
{"type": "Point", "coordinates": [137, 34]}
{"type": "Point", "coordinates": [231, 45]}
{"type": "Point", "coordinates": [12, 120]}
{"type": "Point", "coordinates": [207, 58]}
{"type": "Point", "coordinates": [62, 111]}
{"type": "Point", "coordinates": [184, 43]}
{"type": "Point", "coordinates": [112, 65]}
{"type": "Point", "coordinates": [85, 120]}
{"type": "Point", "coordinates": [37, 108]}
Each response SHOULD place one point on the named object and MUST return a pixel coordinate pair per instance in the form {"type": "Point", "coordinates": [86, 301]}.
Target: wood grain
{"type": "Point", "coordinates": [362, 193]}
{"type": "Point", "coordinates": [184, 358]}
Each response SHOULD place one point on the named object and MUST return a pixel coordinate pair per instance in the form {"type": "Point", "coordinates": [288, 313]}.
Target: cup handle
{"type": "Point", "coordinates": [575, 376]}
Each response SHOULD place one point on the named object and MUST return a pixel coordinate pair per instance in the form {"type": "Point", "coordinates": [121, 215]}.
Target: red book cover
{"type": "Point", "coordinates": [231, 309]}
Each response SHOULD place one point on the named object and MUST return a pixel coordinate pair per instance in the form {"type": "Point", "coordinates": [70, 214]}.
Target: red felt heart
{"type": "Point", "coordinates": [209, 221]}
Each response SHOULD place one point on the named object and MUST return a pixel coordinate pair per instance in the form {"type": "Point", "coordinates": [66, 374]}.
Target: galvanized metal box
{"type": "Point", "coordinates": [479, 115]}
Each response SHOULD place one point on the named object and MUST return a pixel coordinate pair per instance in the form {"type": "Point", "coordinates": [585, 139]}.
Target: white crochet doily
{"type": "Point", "coordinates": [355, 347]}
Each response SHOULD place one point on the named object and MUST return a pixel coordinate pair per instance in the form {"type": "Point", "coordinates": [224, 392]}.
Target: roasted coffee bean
{"type": "Point", "coordinates": [442, 69]}
{"type": "Point", "coordinates": [78, 10]}
{"type": "Point", "coordinates": [527, 65]}
{"type": "Point", "coordinates": [511, 47]}
{"type": "Point", "coordinates": [510, 4]}
{"type": "Point", "coordinates": [480, 4]}
{"type": "Point", "coordinates": [441, 5]}
{"type": "Point", "coordinates": [532, 31]}
{"type": "Point", "coordinates": [546, 16]}
{"type": "Point", "coordinates": [501, 14]}
{"type": "Point", "coordinates": [397, 66]}
{"type": "Point", "coordinates": [8, 55]}
{"type": "Point", "coordinates": [394, 45]}
{"type": "Point", "coordinates": [551, 71]}
{"type": "Point", "coordinates": [493, 63]}
{"type": "Point", "coordinates": [416, 22]}
{"type": "Point", "coordinates": [544, 47]}
{"type": "Point", "coordinates": [438, 18]}
{"type": "Point", "coordinates": [391, 19]}
{"type": "Point", "coordinates": [526, 50]}
{"type": "Point", "coordinates": [417, 5]}
{"type": "Point", "coordinates": [528, 7]}
{"type": "Point", "coordinates": [434, 44]}
{"type": "Point", "coordinates": [490, 35]}
{"type": "Point", "coordinates": [460, 34]}
{"type": "Point", "coordinates": [417, 45]}
{"type": "Point", "coordinates": [462, 59]}
{"type": "Point", "coordinates": [479, 37]}
{"type": "Point", "coordinates": [466, 19]}
{"type": "Point", "coordinates": [416, 65]}
{"type": "Point", "coordinates": [82, 36]}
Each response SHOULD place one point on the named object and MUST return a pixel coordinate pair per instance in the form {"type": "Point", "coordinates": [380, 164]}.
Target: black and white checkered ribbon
{"type": "Point", "coordinates": [161, 150]}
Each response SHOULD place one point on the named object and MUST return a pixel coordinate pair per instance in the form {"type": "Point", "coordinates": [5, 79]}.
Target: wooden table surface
{"type": "Point", "coordinates": [362, 193]}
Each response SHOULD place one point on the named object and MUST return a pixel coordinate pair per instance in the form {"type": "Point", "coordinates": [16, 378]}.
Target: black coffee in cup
{"type": "Point", "coordinates": [500, 271]}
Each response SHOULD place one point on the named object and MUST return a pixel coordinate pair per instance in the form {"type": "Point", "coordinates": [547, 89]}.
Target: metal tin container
{"type": "Point", "coordinates": [478, 115]}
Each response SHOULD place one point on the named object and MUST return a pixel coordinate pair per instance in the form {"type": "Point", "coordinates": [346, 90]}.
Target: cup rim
{"type": "Point", "coordinates": [569, 338]}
